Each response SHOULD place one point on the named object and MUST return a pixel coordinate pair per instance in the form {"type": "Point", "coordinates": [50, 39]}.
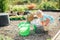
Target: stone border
{"type": "Point", "coordinates": [56, 36]}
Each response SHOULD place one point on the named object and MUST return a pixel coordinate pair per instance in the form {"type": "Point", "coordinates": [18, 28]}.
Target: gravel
{"type": "Point", "coordinates": [12, 30]}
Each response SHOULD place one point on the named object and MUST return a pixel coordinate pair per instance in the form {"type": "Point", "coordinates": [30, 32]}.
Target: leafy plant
{"type": "Point", "coordinates": [47, 6]}
{"type": "Point", "coordinates": [19, 8]}
{"type": "Point", "coordinates": [17, 18]}
{"type": "Point", "coordinates": [3, 5]}
{"type": "Point", "coordinates": [15, 8]}
{"type": "Point", "coordinates": [2, 37]}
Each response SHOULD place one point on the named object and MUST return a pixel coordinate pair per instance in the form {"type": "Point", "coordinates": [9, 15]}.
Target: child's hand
{"type": "Point", "coordinates": [43, 23]}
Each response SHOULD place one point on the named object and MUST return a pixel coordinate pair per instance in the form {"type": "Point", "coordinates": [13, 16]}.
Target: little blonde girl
{"type": "Point", "coordinates": [40, 20]}
{"type": "Point", "coordinates": [44, 18]}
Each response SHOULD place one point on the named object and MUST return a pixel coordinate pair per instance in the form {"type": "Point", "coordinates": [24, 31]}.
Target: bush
{"type": "Point", "coordinates": [3, 5]}
{"type": "Point", "coordinates": [47, 6]}
{"type": "Point", "coordinates": [19, 9]}
{"type": "Point", "coordinates": [15, 8]}
{"type": "Point", "coordinates": [17, 18]}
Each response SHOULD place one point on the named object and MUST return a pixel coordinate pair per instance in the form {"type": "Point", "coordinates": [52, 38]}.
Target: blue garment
{"type": "Point", "coordinates": [45, 16]}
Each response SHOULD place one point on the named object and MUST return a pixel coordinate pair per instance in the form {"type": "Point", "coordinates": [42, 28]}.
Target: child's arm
{"type": "Point", "coordinates": [46, 22]}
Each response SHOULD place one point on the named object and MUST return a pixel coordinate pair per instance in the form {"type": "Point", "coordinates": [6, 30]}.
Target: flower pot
{"type": "Point", "coordinates": [4, 19]}
{"type": "Point", "coordinates": [24, 29]}
{"type": "Point", "coordinates": [31, 6]}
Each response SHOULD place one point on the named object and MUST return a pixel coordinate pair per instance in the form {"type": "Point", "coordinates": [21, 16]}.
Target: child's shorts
{"type": "Point", "coordinates": [39, 30]}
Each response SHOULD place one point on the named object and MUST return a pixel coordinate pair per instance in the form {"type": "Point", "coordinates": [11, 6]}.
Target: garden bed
{"type": "Point", "coordinates": [12, 30]}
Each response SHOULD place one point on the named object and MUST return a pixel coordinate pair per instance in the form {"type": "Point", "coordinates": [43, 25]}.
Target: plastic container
{"type": "Point", "coordinates": [25, 28]}
{"type": "Point", "coordinates": [4, 19]}
{"type": "Point", "coordinates": [24, 31]}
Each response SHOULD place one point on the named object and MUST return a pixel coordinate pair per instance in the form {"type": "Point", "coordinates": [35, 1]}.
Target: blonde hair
{"type": "Point", "coordinates": [39, 12]}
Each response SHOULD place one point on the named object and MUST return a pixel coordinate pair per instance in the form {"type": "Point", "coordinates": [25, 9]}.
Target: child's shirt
{"type": "Point", "coordinates": [45, 16]}
{"type": "Point", "coordinates": [39, 20]}
{"type": "Point", "coordinates": [36, 22]}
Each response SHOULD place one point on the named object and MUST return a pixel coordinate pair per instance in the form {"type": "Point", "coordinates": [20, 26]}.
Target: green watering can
{"type": "Point", "coordinates": [25, 29]}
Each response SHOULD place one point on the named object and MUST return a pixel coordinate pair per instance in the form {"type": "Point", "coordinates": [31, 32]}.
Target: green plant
{"type": "Point", "coordinates": [47, 6]}
{"type": "Point", "coordinates": [48, 39]}
{"type": "Point", "coordinates": [15, 8]}
{"type": "Point", "coordinates": [3, 5]}
{"type": "Point", "coordinates": [19, 8]}
{"type": "Point", "coordinates": [59, 4]}
{"type": "Point", "coordinates": [2, 37]}
{"type": "Point", "coordinates": [17, 18]}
